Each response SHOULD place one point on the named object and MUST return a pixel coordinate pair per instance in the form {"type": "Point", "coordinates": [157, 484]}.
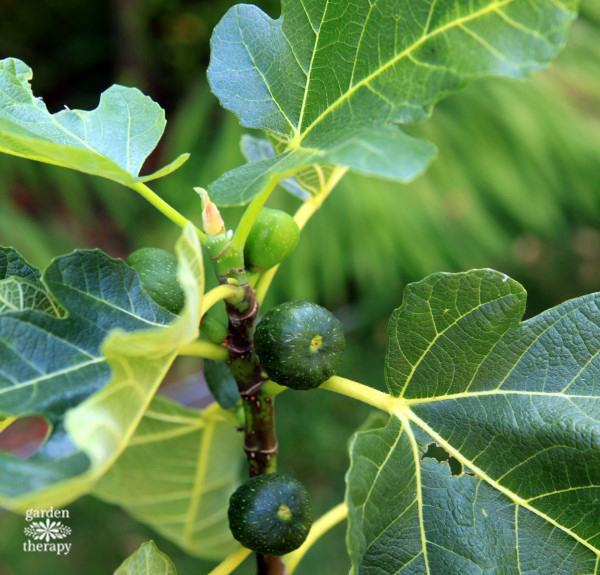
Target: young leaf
{"type": "Point", "coordinates": [147, 559]}
{"type": "Point", "coordinates": [516, 403]}
{"type": "Point", "coordinates": [177, 474]}
{"type": "Point", "coordinates": [113, 348]}
{"type": "Point", "coordinates": [111, 141]}
{"type": "Point", "coordinates": [332, 79]}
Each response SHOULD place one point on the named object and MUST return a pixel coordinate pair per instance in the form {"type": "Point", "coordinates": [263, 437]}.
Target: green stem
{"type": "Point", "coordinates": [260, 441]}
{"type": "Point", "coordinates": [220, 293]}
{"type": "Point", "coordinates": [361, 392]}
{"type": "Point", "coordinates": [249, 217]}
{"type": "Point", "coordinates": [231, 562]}
{"type": "Point", "coordinates": [165, 208]}
{"type": "Point", "coordinates": [205, 349]}
{"type": "Point", "coordinates": [319, 528]}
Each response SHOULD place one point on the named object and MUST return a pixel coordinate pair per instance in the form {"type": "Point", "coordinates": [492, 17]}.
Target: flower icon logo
{"type": "Point", "coordinates": [48, 530]}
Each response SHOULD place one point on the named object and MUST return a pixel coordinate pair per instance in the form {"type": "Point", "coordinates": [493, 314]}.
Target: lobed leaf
{"type": "Point", "coordinates": [177, 474]}
{"type": "Point", "coordinates": [92, 373]}
{"type": "Point", "coordinates": [332, 80]}
{"type": "Point", "coordinates": [147, 559]}
{"type": "Point", "coordinates": [516, 403]}
{"type": "Point", "coordinates": [112, 141]}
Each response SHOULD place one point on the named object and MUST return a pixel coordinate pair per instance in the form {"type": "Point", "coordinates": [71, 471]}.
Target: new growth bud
{"type": "Point", "coordinates": [211, 217]}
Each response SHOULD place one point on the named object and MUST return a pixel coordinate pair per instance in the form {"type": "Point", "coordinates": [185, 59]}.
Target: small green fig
{"type": "Point", "coordinates": [157, 270]}
{"type": "Point", "coordinates": [270, 514]}
{"type": "Point", "coordinates": [272, 238]}
{"type": "Point", "coordinates": [299, 344]}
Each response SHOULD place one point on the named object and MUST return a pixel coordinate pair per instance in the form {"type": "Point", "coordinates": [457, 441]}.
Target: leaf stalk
{"type": "Point", "coordinates": [165, 208]}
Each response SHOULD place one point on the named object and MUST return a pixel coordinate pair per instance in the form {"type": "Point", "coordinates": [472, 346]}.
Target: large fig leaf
{"type": "Point", "coordinates": [177, 475]}
{"type": "Point", "coordinates": [93, 373]}
{"type": "Point", "coordinates": [145, 560]}
{"type": "Point", "coordinates": [332, 78]}
{"type": "Point", "coordinates": [516, 403]}
{"type": "Point", "coordinates": [111, 141]}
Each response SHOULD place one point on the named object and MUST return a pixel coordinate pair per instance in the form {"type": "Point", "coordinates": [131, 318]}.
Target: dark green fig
{"type": "Point", "coordinates": [272, 238]}
{"type": "Point", "coordinates": [270, 514]}
{"type": "Point", "coordinates": [157, 270]}
{"type": "Point", "coordinates": [299, 344]}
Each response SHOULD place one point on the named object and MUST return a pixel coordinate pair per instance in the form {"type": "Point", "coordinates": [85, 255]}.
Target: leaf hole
{"type": "Point", "coordinates": [434, 451]}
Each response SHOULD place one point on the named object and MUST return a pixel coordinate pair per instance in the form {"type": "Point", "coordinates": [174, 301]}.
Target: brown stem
{"type": "Point", "coordinates": [260, 441]}
{"type": "Point", "coordinates": [269, 564]}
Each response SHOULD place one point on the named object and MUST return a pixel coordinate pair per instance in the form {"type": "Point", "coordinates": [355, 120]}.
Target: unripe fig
{"type": "Point", "coordinates": [270, 514]}
{"type": "Point", "coordinates": [299, 344]}
{"type": "Point", "coordinates": [157, 270]}
{"type": "Point", "coordinates": [272, 238]}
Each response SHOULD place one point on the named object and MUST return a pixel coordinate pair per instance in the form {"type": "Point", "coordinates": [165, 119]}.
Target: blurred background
{"type": "Point", "coordinates": [516, 187]}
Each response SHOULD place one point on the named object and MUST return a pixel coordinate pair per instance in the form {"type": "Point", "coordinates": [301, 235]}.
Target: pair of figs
{"type": "Point", "coordinates": [272, 238]}
{"type": "Point", "coordinates": [299, 344]}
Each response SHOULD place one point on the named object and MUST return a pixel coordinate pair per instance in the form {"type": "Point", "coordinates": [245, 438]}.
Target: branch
{"type": "Point", "coordinates": [359, 391]}
{"type": "Point", "coordinates": [220, 293]}
{"type": "Point", "coordinates": [249, 217]}
{"type": "Point", "coordinates": [304, 213]}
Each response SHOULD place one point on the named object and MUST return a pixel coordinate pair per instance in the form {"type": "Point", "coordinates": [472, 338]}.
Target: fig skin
{"type": "Point", "coordinates": [270, 514]}
{"type": "Point", "coordinates": [300, 344]}
{"type": "Point", "coordinates": [272, 238]}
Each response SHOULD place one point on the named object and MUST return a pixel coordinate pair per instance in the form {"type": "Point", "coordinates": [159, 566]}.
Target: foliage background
{"type": "Point", "coordinates": [516, 188]}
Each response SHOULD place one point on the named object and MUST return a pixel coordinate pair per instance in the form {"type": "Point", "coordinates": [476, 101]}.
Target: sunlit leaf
{"type": "Point", "coordinates": [177, 475]}
{"type": "Point", "coordinates": [112, 141]}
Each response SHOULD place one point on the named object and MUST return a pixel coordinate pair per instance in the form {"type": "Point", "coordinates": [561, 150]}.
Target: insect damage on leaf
{"type": "Point", "coordinates": [517, 404]}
